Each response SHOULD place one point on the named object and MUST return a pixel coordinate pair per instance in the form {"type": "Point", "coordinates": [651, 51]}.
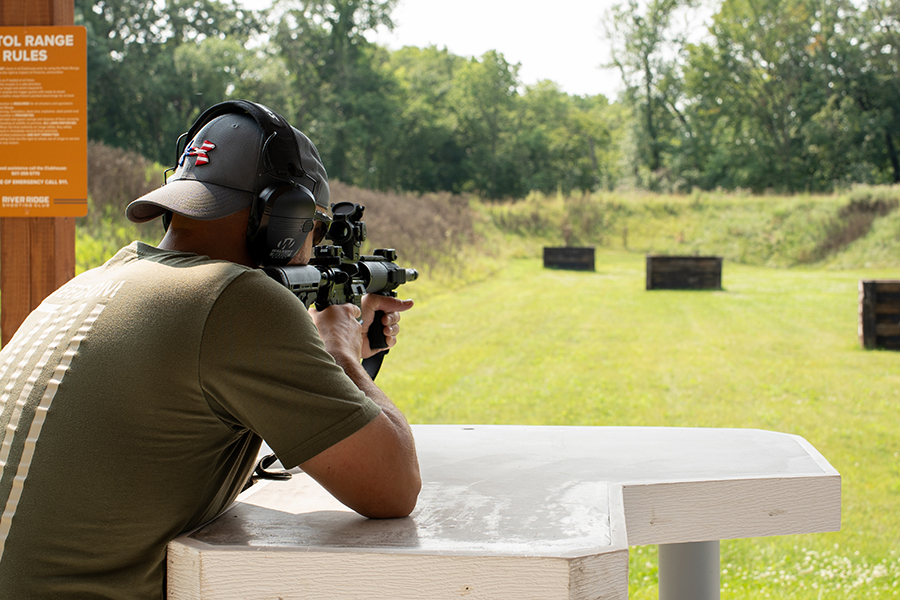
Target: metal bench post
{"type": "Point", "coordinates": [689, 571]}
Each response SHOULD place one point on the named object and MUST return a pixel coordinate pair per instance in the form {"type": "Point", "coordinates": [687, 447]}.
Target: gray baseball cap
{"type": "Point", "coordinates": [223, 169]}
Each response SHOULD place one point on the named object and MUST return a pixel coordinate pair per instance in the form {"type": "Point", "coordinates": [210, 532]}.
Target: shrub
{"type": "Point", "coordinates": [115, 178]}
{"type": "Point", "coordinates": [854, 220]}
{"type": "Point", "coordinates": [430, 232]}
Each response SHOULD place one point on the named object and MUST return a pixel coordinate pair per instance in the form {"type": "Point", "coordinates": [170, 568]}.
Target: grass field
{"type": "Point", "coordinates": [777, 349]}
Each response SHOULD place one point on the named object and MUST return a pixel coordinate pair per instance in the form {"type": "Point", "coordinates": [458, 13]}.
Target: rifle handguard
{"type": "Point", "coordinates": [338, 274]}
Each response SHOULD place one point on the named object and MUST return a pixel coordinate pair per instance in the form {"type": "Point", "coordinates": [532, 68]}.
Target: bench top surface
{"type": "Point", "coordinates": [529, 491]}
{"type": "Point", "coordinates": [618, 454]}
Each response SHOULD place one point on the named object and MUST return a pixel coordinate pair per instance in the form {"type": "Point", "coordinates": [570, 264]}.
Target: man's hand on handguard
{"type": "Point", "coordinates": [340, 329]}
{"type": "Point", "coordinates": [391, 307]}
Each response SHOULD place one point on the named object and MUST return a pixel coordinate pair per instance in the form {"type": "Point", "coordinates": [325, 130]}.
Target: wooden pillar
{"type": "Point", "coordinates": [37, 254]}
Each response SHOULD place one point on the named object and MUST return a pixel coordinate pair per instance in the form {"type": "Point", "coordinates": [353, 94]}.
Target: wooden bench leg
{"type": "Point", "coordinates": [689, 571]}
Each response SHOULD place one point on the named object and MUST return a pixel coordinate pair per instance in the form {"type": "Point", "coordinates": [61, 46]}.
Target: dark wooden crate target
{"type": "Point", "coordinates": [684, 272]}
{"type": "Point", "coordinates": [879, 314]}
{"type": "Point", "coordinates": [576, 258]}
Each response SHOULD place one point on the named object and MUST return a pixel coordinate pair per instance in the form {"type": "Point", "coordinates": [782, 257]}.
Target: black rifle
{"type": "Point", "coordinates": [339, 273]}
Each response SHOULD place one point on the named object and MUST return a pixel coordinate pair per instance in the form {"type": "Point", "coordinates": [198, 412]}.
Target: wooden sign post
{"type": "Point", "coordinates": [37, 254]}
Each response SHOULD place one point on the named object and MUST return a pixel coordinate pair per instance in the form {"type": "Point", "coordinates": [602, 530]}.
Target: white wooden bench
{"type": "Point", "coordinates": [520, 512]}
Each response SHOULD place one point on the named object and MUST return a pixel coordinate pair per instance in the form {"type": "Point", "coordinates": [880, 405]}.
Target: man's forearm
{"type": "Point", "coordinates": [358, 375]}
{"type": "Point", "coordinates": [375, 471]}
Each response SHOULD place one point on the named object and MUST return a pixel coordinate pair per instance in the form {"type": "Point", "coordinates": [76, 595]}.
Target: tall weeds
{"type": "Point", "coordinates": [855, 219]}
{"type": "Point", "coordinates": [434, 233]}
{"type": "Point", "coordinates": [454, 239]}
{"type": "Point", "coordinates": [115, 178]}
{"type": "Point", "coordinates": [856, 228]}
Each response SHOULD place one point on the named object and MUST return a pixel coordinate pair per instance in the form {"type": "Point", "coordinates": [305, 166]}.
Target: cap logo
{"type": "Point", "coordinates": [201, 152]}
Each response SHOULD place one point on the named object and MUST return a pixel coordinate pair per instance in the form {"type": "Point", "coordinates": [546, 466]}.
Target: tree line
{"type": "Point", "coordinates": [789, 95]}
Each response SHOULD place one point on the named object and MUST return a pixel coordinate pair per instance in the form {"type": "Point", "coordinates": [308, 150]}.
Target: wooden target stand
{"type": "Point", "coordinates": [37, 254]}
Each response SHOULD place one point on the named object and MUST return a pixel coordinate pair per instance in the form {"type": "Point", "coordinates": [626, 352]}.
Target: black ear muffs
{"type": "Point", "coordinates": [280, 219]}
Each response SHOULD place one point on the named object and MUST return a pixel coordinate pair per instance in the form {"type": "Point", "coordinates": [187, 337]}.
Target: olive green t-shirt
{"type": "Point", "coordinates": [132, 406]}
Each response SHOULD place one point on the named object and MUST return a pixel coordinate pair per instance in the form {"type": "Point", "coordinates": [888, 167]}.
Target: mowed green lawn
{"type": "Point", "coordinates": [775, 350]}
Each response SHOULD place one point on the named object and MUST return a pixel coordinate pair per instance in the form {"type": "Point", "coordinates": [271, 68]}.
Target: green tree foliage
{"type": "Point", "coordinates": [422, 120]}
{"type": "Point", "coordinates": [430, 156]}
{"type": "Point", "coordinates": [862, 116]}
{"type": "Point", "coordinates": [346, 99]}
{"type": "Point", "coordinates": [648, 49]}
{"type": "Point", "coordinates": [794, 95]}
{"type": "Point", "coordinates": [757, 84]}
{"type": "Point", "coordinates": [138, 98]}
{"type": "Point", "coordinates": [484, 100]}
{"type": "Point", "coordinates": [790, 95]}
{"type": "Point", "coordinates": [567, 141]}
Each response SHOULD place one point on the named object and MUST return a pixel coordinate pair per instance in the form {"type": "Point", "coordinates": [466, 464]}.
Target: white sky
{"type": "Point", "coordinates": [560, 40]}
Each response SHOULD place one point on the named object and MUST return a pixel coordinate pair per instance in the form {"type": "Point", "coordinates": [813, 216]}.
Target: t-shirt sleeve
{"type": "Point", "coordinates": [264, 367]}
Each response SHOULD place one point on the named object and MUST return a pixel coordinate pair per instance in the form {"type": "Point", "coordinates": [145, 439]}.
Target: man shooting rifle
{"type": "Point", "coordinates": [136, 397]}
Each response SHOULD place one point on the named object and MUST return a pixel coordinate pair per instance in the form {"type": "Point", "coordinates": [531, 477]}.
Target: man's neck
{"type": "Point", "coordinates": [221, 239]}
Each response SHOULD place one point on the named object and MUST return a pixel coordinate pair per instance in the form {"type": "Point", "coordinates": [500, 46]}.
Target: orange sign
{"type": "Point", "coordinates": [43, 122]}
